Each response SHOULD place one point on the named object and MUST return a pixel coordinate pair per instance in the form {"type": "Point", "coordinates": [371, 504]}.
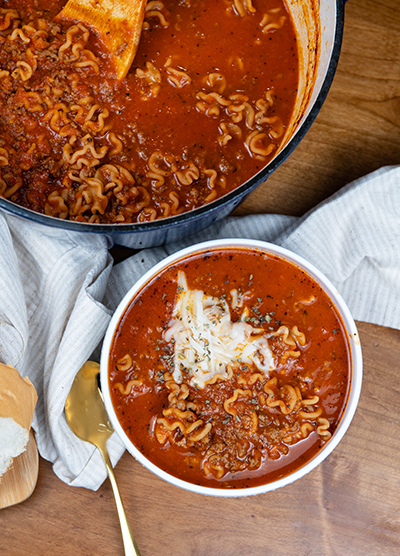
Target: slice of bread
{"type": "Point", "coordinates": [17, 403]}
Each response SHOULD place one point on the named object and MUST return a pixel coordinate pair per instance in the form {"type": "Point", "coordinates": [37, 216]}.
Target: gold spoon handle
{"type": "Point", "coordinates": [130, 546]}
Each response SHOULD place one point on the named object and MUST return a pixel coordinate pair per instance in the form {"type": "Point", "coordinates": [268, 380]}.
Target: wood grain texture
{"type": "Point", "coordinates": [350, 504]}
{"type": "Point", "coordinates": [18, 483]}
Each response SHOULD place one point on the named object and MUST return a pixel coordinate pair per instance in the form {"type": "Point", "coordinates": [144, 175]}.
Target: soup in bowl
{"type": "Point", "coordinates": [233, 367]}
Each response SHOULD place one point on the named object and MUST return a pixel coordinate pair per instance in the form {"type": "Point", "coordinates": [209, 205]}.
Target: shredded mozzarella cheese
{"type": "Point", "coordinates": [207, 342]}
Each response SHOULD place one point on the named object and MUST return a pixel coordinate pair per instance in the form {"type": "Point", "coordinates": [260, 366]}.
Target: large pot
{"type": "Point", "coordinates": [319, 28]}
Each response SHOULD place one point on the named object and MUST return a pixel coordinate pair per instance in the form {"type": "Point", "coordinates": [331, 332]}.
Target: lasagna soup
{"type": "Point", "coordinates": [204, 107]}
{"type": "Point", "coordinates": [230, 368]}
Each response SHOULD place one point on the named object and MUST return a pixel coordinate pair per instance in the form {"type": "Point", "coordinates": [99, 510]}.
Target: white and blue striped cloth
{"type": "Point", "coordinates": [58, 290]}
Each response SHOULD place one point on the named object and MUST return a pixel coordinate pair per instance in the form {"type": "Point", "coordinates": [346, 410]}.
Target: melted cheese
{"type": "Point", "coordinates": [207, 342]}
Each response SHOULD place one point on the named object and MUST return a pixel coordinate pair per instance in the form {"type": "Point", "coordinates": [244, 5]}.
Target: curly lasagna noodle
{"type": "Point", "coordinates": [204, 107]}
{"type": "Point", "coordinates": [230, 369]}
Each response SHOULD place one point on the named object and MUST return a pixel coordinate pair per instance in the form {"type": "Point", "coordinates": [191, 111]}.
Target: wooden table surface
{"type": "Point", "coordinates": [349, 505]}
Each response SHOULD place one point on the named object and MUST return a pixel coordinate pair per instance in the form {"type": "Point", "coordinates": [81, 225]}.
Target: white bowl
{"type": "Point", "coordinates": [354, 355]}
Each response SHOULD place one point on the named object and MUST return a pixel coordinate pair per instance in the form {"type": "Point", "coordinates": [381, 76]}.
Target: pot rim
{"type": "Point", "coordinates": [355, 363]}
{"type": "Point", "coordinates": [213, 207]}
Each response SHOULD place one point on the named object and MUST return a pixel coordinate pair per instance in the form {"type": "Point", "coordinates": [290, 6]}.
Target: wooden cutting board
{"type": "Point", "coordinates": [18, 483]}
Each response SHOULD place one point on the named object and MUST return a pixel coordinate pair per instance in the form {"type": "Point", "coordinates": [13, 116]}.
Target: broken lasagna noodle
{"type": "Point", "coordinates": [237, 382]}
{"type": "Point", "coordinates": [178, 132]}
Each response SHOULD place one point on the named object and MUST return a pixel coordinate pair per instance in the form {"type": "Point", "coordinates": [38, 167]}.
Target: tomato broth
{"type": "Point", "coordinates": [230, 368]}
{"type": "Point", "coordinates": [205, 106]}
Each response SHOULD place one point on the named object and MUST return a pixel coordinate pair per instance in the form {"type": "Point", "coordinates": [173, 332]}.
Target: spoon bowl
{"type": "Point", "coordinates": [118, 23]}
{"type": "Point", "coordinates": [88, 419]}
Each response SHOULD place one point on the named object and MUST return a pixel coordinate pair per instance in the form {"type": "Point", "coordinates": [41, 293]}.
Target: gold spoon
{"type": "Point", "coordinates": [88, 419]}
{"type": "Point", "coordinates": [118, 24]}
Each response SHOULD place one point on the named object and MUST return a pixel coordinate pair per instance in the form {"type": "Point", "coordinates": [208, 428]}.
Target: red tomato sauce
{"type": "Point", "coordinates": [262, 435]}
{"type": "Point", "coordinates": [204, 107]}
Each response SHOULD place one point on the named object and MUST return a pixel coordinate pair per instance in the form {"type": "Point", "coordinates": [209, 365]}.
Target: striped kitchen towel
{"type": "Point", "coordinates": [58, 290]}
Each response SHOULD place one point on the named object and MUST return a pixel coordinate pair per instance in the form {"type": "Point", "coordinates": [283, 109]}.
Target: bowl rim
{"type": "Point", "coordinates": [355, 356]}
{"type": "Point", "coordinates": [214, 207]}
